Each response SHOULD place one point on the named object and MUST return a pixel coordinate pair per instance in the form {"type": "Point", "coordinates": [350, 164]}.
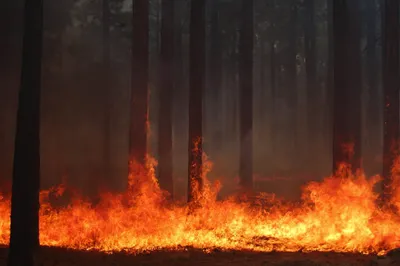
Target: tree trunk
{"type": "Point", "coordinates": [246, 95]}
{"type": "Point", "coordinates": [24, 239]}
{"type": "Point", "coordinates": [311, 77]}
{"type": "Point", "coordinates": [390, 70]}
{"type": "Point", "coordinates": [347, 83]}
{"type": "Point", "coordinates": [291, 89]}
{"type": "Point", "coordinates": [328, 112]}
{"type": "Point", "coordinates": [107, 93]}
{"type": "Point", "coordinates": [216, 74]}
{"type": "Point", "coordinates": [139, 83]}
{"type": "Point", "coordinates": [197, 67]}
{"type": "Point", "coordinates": [373, 105]}
{"type": "Point", "coordinates": [166, 96]}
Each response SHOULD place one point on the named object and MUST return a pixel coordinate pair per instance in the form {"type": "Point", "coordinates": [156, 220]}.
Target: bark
{"type": "Point", "coordinates": [246, 95]}
{"type": "Point", "coordinates": [139, 83]}
{"type": "Point", "coordinates": [391, 83]}
{"type": "Point", "coordinates": [24, 239]}
{"type": "Point", "coordinates": [197, 68]}
{"type": "Point", "coordinates": [347, 84]}
{"type": "Point", "coordinates": [166, 96]}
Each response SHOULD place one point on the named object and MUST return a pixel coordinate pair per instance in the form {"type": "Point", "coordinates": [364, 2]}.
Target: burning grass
{"type": "Point", "coordinates": [339, 214]}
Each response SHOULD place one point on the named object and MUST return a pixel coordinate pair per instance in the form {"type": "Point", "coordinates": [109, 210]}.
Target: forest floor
{"type": "Point", "coordinates": [63, 257]}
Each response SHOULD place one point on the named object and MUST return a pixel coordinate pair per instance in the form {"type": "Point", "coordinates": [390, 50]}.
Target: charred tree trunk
{"type": "Point", "coordinates": [107, 92]}
{"type": "Point", "coordinates": [180, 91]}
{"type": "Point", "coordinates": [273, 94]}
{"type": "Point", "coordinates": [391, 83]}
{"type": "Point", "coordinates": [292, 96]}
{"type": "Point", "coordinates": [216, 73]}
{"type": "Point", "coordinates": [246, 95]}
{"type": "Point", "coordinates": [328, 114]}
{"type": "Point", "coordinates": [166, 96]}
{"type": "Point", "coordinates": [197, 67]}
{"type": "Point", "coordinates": [311, 75]}
{"type": "Point", "coordinates": [24, 239]}
{"type": "Point", "coordinates": [347, 84]}
{"type": "Point", "coordinates": [139, 83]}
{"type": "Point", "coordinates": [373, 106]}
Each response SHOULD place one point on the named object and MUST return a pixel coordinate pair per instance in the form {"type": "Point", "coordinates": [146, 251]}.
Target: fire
{"type": "Point", "coordinates": [339, 214]}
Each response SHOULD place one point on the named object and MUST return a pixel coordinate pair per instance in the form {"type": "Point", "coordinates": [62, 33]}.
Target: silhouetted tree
{"type": "Point", "coordinates": [24, 238]}
{"type": "Point", "coordinates": [139, 82]}
{"type": "Point", "coordinates": [197, 59]}
{"type": "Point", "coordinates": [347, 84]}
{"type": "Point", "coordinates": [107, 91]}
{"type": "Point", "coordinates": [165, 97]}
{"type": "Point", "coordinates": [246, 95]}
{"type": "Point", "coordinates": [291, 90]}
{"type": "Point", "coordinates": [372, 78]}
{"type": "Point", "coordinates": [391, 84]}
{"type": "Point", "coordinates": [311, 74]}
{"type": "Point", "coordinates": [215, 71]}
{"type": "Point", "coordinates": [273, 85]}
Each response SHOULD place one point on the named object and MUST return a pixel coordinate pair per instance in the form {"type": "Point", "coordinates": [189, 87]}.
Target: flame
{"type": "Point", "coordinates": [339, 214]}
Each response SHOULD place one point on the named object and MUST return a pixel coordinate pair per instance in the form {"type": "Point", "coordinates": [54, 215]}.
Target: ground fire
{"type": "Point", "coordinates": [339, 214]}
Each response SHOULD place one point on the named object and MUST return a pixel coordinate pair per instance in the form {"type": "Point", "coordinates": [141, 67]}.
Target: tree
{"type": "Point", "coordinates": [107, 90]}
{"type": "Point", "coordinates": [246, 95]}
{"type": "Point", "coordinates": [311, 73]}
{"type": "Point", "coordinates": [291, 90]}
{"type": "Point", "coordinates": [24, 238]}
{"type": "Point", "coordinates": [165, 98]}
{"type": "Point", "coordinates": [374, 103]}
{"type": "Point", "coordinates": [391, 83]}
{"type": "Point", "coordinates": [215, 71]}
{"type": "Point", "coordinates": [197, 70]}
{"type": "Point", "coordinates": [347, 84]}
{"type": "Point", "coordinates": [139, 82]}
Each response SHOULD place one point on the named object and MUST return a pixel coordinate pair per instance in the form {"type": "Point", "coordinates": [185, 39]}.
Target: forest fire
{"type": "Point", "coordinates": [339, 214]}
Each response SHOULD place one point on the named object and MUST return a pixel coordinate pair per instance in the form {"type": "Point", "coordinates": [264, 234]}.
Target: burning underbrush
{"type": "Point", "coordinates": [339, 214]}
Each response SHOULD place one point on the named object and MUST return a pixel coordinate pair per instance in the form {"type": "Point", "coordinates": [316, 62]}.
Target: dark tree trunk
{"type": "Point", "coordinates": [197, 67]}
{"type": "Point", "coordinates": [390, 70]}
{"type": "Point", "coordinates": [374, 105]}
{"type": "Point", "coordinates": [107, 93]}
{"type": "Point", "coordinates": [232, 90]}
{"type": "Point", "coordinates": [180, 108]}
{"type": "Point", "coordinates": [347, 84]}
{"type": "Point", "coordinates": [328, 112]}
{"type": "Point", "coordinates": [139, 83]}
{"type": "Point", "coordinates": [311, 76]}
{"type": "Point", "coordinates": [291, 90]}
{"type": "Point", "coordinates": [273, 96]}
{"type": "Point", "coordinates": [246, 95]}
{"type": "Point", "coordinates": [24, 239]}
{"type": "Point", "coordinates": [216, 73]}
{"type": "Point", "coordinates": [262, 111]}
{"type": "Point", "coordinates": [165, 97]}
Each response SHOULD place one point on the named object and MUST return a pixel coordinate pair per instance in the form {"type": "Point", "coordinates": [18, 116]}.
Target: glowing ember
{"type": "Point", "coordinates": [339, 214]}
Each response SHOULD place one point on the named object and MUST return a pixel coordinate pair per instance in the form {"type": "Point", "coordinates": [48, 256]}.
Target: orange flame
{"type": "Point", "coordinates": [339, 214]}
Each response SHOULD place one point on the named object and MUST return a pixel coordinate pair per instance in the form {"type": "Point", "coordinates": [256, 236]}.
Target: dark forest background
{"type": "Point", "coordinates": [292, 96]}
